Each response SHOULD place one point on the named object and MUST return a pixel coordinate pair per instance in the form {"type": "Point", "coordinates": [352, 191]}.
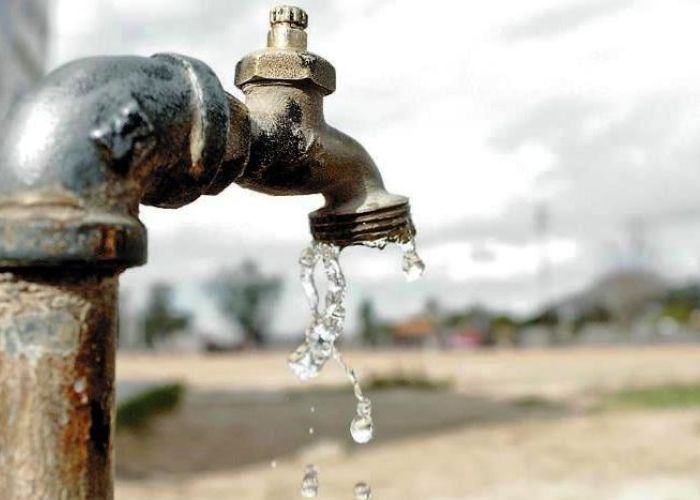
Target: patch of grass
{"type": "Point", "coordinates": [534, 403]}
{"type": "Point", "coordinates": [139, 410]}
{"type": "Point", "coordinates": [416, 381]}
{"type": "Point", "coordinates": [657, 397]}
{"type": "Point", "coordinates": [374, 383]}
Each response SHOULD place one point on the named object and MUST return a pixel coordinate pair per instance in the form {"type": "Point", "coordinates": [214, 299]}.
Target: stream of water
{"type": "Point", "coordinates": [326, 325]}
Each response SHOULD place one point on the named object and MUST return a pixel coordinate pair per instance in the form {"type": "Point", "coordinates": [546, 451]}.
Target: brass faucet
{"type": "Point", "coordinates": [294, 151]}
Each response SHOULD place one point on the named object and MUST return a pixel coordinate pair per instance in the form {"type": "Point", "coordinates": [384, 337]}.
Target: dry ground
{"type": "Point", "coordinates": [492, 437]}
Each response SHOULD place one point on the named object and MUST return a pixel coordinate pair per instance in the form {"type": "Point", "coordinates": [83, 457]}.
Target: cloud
{"type": "Point", "coordinates": [560, 20]}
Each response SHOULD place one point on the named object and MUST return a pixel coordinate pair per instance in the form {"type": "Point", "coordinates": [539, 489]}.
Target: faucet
{"type": "Point", "coordinates": [101, 135]}
{"type": "Point", "coordinates": [294, 151]}
{"type": "Point", "coordinates": [78, 155]}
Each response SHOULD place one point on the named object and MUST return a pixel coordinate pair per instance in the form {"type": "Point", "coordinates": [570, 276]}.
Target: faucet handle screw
{"type": "Point", "coordinates": [295, 16]}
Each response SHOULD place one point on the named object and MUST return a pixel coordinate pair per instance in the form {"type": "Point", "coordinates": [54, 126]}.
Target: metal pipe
{"type": "Point", "coordinates": [79, 154]}
{"type": "Point", "coordinates": [57, 337]}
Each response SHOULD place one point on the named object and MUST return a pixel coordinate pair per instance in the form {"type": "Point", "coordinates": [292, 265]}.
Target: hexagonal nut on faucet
{"type": "Point", "coordinates": [286, 59]}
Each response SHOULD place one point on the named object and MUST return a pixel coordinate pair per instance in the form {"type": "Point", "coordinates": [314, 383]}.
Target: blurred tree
{"type": "Point", "coordinates": [160, 318]}
{"type": "Point", "coordinates": [370, 330]}
{"type": "Point", "coordinates": [681, 304]}
{"type": "Point", "coordinates": [547, 317]}
{"type": "Point", "coordinates": [246, 297]}
{"type": "Point", "coordinates": [502, 330]}
{"type": "Point", "coordinates": [596, 313]}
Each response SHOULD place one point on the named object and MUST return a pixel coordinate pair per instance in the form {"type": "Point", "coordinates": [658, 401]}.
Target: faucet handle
{"type": "Point", "coordinates": [294, 16]}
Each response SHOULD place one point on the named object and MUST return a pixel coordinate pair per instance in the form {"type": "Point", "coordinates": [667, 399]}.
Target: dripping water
{"type": "Point", "coordinates": [362, 491]}
{"type": "Point", "coordinates": [309, 485]}
{"type": "Point", "coordinates": [326, 325]}
{"type": "Point", "coordinates": [412, 265]}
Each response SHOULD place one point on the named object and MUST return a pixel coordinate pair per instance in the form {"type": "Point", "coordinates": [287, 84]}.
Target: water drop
{"type": "Point", "coordinates": [273, 464]}
{"type": "Point", "coordinates": [361, 429]}
{"type": "Point", "coordinates": [313, 409]}
{"type": "Point", "coordinates": [302, 364]}
{"type": "Point", "coordinates": [412, 265]}
{"type": "Point", "coordinates": [311, 431]}
{"type": "Point", "coordinates": [309, 485]}
{"type": "Point", "coordinates": [362, 491]}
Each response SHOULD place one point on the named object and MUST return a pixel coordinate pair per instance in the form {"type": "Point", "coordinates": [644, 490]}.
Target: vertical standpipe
{"type": "Point", "coordinates": [57, 349]}
{"type": "Point", "coordinates": [78, 155]}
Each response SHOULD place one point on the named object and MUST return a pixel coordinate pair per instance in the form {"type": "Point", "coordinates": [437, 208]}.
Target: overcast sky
{"type": "Point", "coordinates": [481, 112]}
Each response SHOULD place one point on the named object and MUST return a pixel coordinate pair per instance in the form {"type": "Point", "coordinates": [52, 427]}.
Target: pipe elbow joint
{"type": "Point", "coordinates": [98, 137]}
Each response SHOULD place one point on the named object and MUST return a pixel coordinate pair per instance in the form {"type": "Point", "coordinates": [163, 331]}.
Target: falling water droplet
{"type": "Point", "coordinates": [309, 485]}
{"type": "Point", "coordinates": [412, 265]}
{"type": "Point", "coordinates": [313, 409]}
{"type": "Point", "coordinates": [362, 491]}
{"type": "Point", "coordinates": [311, 431]}
{"type": "Point", "coordinates": [327, 322]}
{"type": "Point", "coordinates": [273, 464]}
{"type": "Point", "coordinates": [362, 429]}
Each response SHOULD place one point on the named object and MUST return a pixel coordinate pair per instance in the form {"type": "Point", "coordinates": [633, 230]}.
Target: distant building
{"type": "Point", "coordinates": [416, 332]}
{"type": "Point", "coordinates": [23, 39]}
{"type": "Point", "coordinates": [465, 338]}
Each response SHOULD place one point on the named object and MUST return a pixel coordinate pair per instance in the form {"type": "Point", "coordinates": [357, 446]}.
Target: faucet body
{"type": "Point", "coordinates": [79, 154]}
{"type": "Point", "coordinates": [294, 151]}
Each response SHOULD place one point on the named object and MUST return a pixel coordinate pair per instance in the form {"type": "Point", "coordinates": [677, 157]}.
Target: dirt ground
{"type": "Point", "coordinates": [514, 425]}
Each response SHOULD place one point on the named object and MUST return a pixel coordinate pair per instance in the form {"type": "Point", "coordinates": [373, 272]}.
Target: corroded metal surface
{"type": "Point", "coordinates": [57, 337]}
{"type": "Point", "coordinates": [294, 151]}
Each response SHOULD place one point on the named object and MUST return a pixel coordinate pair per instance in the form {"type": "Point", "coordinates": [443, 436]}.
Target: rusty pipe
{"type": "Point", "coordinates": [95, 139]}
{"type": "Point", "coordinates": [294, 151]}
{"type": "Point", "coordinates": [57, 342]}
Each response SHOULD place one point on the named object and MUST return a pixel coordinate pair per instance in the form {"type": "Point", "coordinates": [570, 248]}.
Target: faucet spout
{"type": "Point", "coordinates": [294, 151]}
{"type": "Point", "coordinates": [358, 208]}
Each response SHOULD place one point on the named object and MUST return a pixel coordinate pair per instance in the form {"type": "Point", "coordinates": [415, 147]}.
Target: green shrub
{"type": "Point", "coordinates": [663, 396]}
{"type": "Point", "coordinates": [418, 381]}
{"type": "Point", "coordinates": [136, 412]}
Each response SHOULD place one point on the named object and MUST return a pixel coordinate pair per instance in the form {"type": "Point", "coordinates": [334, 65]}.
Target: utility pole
{"type": "Point", "coordinates": [542, 221]}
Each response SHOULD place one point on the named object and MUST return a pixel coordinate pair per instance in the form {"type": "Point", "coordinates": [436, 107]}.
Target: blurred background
{"type": "Point", "coordinates": [552, 350]}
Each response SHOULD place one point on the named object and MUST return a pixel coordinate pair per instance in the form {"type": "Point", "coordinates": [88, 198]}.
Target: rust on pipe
{"type": "Point", "coordinates": [57, 346]}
